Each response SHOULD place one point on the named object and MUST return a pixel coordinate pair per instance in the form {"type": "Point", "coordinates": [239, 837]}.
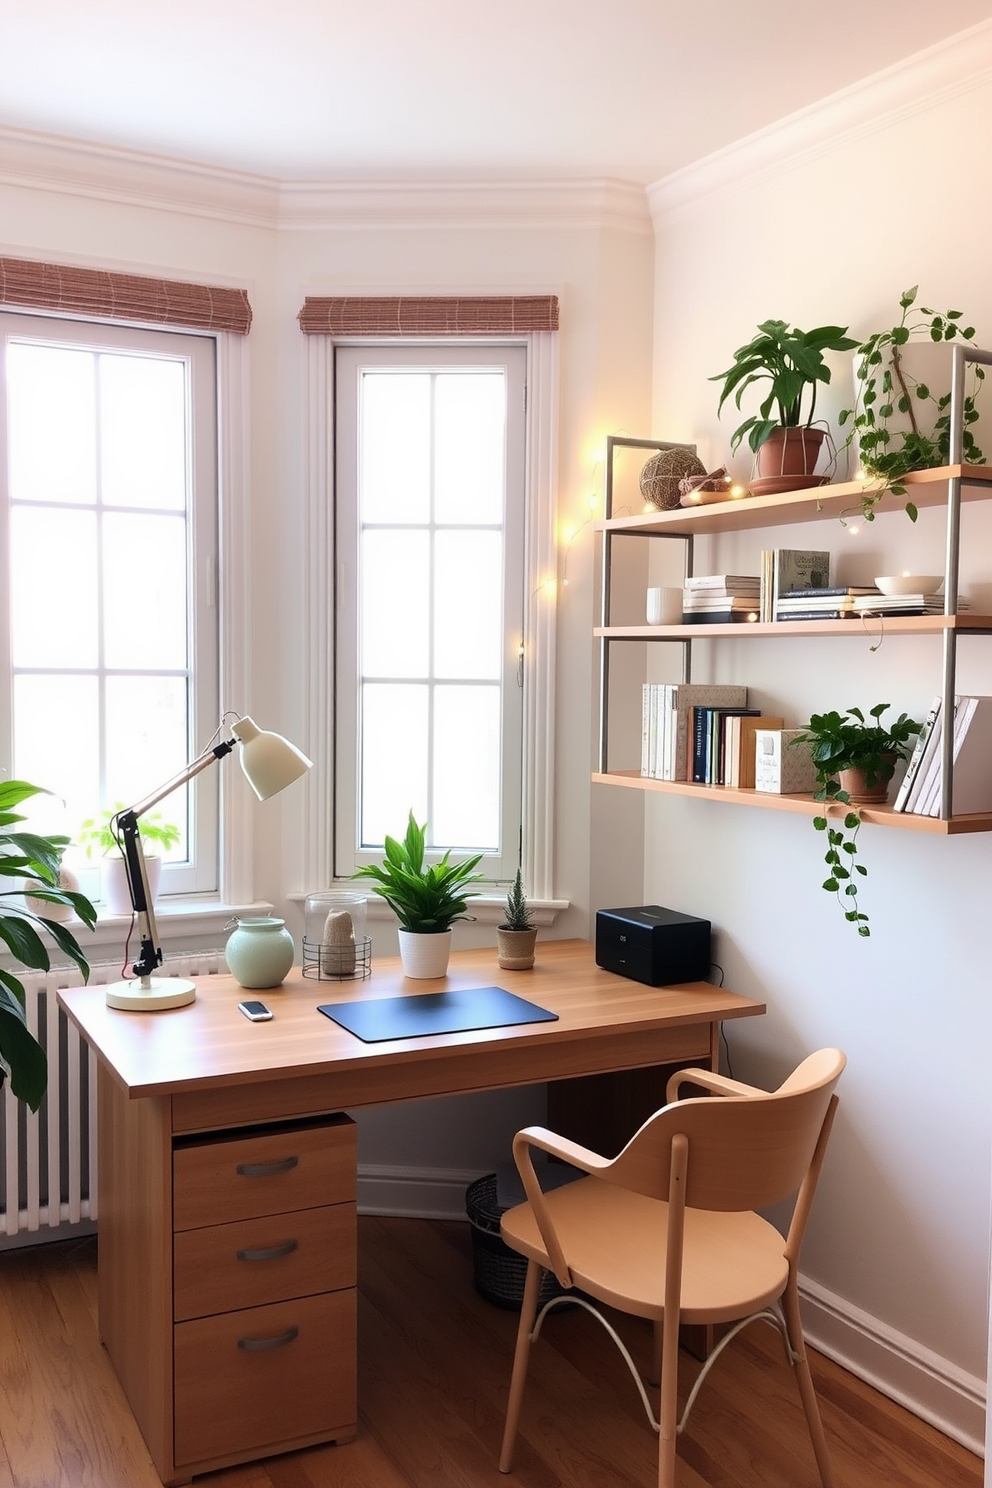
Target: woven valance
{"type": "Point", "coordinates": [412, 315]}
{"type": "Point", "coordinates": [44, 286]}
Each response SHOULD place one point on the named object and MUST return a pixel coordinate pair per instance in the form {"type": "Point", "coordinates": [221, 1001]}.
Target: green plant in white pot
{"type": "Point", "coordinates": [33, 862]}
{"type": "Point", "coordinates": [98, 834]}
{"type": "Point", "coordinates": [426, 898]}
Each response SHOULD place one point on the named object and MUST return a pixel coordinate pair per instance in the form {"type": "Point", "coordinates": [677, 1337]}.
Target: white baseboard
{"type": "Point", "coordinates": [925, 1383]}
{"type": "Point", "coordinates": [930, 1386]}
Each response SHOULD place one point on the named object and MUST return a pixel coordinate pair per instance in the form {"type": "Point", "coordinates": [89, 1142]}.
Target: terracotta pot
{"type": "Point", "coordinates": [515, 948]}
{"type": "Point", "coordinates": [853, 781]}
{"type": "Point", "coordinates": [425, 956]}
{"type": "Point", "coordinates": [790, 452]}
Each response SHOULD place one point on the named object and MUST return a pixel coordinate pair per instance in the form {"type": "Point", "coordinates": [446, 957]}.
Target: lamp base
{"type": "Point", "coordinates": [151, 994]}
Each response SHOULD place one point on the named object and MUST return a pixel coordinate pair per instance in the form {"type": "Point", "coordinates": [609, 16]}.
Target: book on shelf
{"type": "Point", "coordinates": [837, 614]}
{"type": "Point", "coordinates": [679, 698]}
{"type": "Point", "coordinates": [724, 583]}
{"type": "Point", "coordinates": [694, 600]}
{"type": "Point", "coordinates": [841, 591]}
{"type": "Point", "coordinates": [916, 758]}
{"type": "Point", "coordinates": [780, 767]}
{"type": "Point", "coordinates": [721, 617]}
{"type": "Point", "coordinates": [902, 604]}
{"type": "Point", "coordinates": [971, 789]}
{"type": "Point", "coordinates": [786, 569]}
{"type": "Point", "coordinates": [739, 733]}
{"type": "Point", "coordinates": [707, 722]}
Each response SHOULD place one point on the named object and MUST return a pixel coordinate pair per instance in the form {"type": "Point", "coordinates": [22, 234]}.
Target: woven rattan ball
{"type": "Point", "coordinates": [661, 475]}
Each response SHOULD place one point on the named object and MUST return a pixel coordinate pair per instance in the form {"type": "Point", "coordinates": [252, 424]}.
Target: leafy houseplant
{"type": "Point", "coordinates": [426, 899]}
{"type": "Point", "coordinates": [101, 834]}
{"type": "Point", "coordinates": [34, 862]}
{"type": "Point", "coordinates": [517, 935]}
{"type": "Point", "coordinates": [848, 742]}
{"type": "Point", "coordinates": [886, 390]}
{"type": "Point", "coordinates": [791, 362]}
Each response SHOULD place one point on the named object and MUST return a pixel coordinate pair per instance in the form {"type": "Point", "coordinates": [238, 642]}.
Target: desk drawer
{"type": "Point", "coordinates": [243, 1176]}
{"type": "Point", "coordinates": [292, 1377]}
{"type": "Point", "coordinates": [271, 1259]}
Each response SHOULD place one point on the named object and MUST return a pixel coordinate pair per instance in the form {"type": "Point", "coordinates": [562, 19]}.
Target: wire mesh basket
{"type": "Point", "coordinates": [499, 1271]}
{"type": "Point", "coordinates": [338, 963]}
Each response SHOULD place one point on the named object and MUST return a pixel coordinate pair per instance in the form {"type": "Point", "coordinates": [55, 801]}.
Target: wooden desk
{"type": "Point", "coordinates": [227, 1176]}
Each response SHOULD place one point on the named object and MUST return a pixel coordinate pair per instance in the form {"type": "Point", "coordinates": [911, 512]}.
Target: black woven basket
{"type": "Point", "coordinates": [499, 1271]}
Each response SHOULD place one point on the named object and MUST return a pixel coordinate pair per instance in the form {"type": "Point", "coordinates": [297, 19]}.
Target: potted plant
{"type": "Point", "coordinates": [426, 899]}
{"type": "Point", "coordinates": [517, 936]}
{"type": "Point", "coordinates": [791, 361]}
{"type": "Point", "coordinates": [34, 862]}
{"type": "Point", "coordinates": [899, 422]}
{"type": "Point", "coordinates": [100, 834]}
{"type": "Point", "coordinates": [855, 760]}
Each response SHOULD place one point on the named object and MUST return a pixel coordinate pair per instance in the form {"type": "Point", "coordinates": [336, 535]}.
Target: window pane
{"type": "Point", "coordinates": [51, 402]}
{"type": "Point", "coordinates": [60, 631]}
{"type": "Point", "coordinates": [144, 587]}
{"type": "Point", "coordinates": [395, 447]}
{"type": "Point", "coordinates": [395, 604]}
{"type": "Point", "coordinates": [57, 739]}
{"type": "Point", "coordinates": [468, 597]}
{"type": "Point", "coordinates": [143, 432]}
{"type": "Point", "coordinates": [466, 767]}
{"type": "Point", "coordinates": [470, 430]}
{"type": "Point", "coordinates": [147, 734]}
{"type": "Point", "coordinates": [394, 760]}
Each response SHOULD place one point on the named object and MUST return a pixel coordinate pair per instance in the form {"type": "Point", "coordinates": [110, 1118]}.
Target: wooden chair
{"type": "Point", "coordinates": [667, 1230]}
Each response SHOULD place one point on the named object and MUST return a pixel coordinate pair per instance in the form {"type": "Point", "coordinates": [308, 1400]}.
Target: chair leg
{"type": "Point", "coordinates": [668, 1405]}
{"type": "Point", "coordinates": [520, 1360]}
{"type": "Point", "coordinates": [790, 1306]}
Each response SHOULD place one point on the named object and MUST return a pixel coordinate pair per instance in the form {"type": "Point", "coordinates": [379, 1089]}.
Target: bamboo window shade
{"type": "Point", "coordinates": [113, 296]}
{"type": "Point", "coordinates": [413, 315]}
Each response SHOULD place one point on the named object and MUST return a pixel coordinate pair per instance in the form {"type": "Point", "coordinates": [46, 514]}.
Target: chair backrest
{"type": "Point", "coordinates": [744, 1152]}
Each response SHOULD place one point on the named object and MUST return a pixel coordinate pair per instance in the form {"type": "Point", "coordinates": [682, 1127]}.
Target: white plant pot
{"type": "Point", "coordinates": [425, 956]}
{"type": "Point", "coordinates": [113, 878]}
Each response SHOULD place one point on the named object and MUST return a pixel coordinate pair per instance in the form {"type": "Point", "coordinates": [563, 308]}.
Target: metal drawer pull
{"type": "Point", "coordinates": [252, 1345]}
{"type": "Point", "coordinates": [270, 1253]}
{"type": "Point", "coordinates": [262, 1170]}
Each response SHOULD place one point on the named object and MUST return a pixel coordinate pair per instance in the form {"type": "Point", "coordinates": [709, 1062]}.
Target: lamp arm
{"type": "Point", "coordinates": [183, 778]}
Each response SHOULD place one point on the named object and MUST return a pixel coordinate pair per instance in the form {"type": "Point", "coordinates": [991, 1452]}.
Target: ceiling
{"type": "Point", "coordinates": [443, 89]}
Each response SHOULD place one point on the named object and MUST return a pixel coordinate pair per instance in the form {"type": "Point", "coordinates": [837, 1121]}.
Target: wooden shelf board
{"type": "Point", "coordinates": [926, 488]}
{"type": "Point", "coordinates": [881, 816]}
{"type": "Point", "coordinates": [743, 630]}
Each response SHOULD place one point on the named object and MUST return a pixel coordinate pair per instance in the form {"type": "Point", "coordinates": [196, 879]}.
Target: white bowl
{"type": "Point", "coordinates": [910, 583]}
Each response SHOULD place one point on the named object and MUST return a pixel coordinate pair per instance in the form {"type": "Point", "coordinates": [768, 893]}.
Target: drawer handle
{"type": "Point", "coordinates": [253, 1345]}
{"type": "Point", "coordinates": [262, 1170]}
{"type": "Point", "coordinates": [270, 1253]}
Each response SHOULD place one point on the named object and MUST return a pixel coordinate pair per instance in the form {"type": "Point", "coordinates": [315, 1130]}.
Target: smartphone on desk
{"type": "Point", "coordinates": [256, 1012]}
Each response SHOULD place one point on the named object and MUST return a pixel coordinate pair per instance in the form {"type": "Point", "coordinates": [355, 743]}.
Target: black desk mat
{"type": "Point", "coordinates": [461, 1011]}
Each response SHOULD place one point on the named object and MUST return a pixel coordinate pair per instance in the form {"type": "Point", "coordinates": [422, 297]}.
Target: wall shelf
{"type": "Point", "coordinates": [870, 627]}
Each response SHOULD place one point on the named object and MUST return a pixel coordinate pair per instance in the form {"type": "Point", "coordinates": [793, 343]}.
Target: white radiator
{"type": "Point", "coordinates": [48, 1157]}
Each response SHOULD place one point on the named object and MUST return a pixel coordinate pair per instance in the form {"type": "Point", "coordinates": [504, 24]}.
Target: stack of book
{"type": "Point", "coordinates": [784, 570]}
{"type": "Point", "coordinates": [720, 599]}
{"type": "Point", "coordinates": [902, 604]}
{"type": "Point", "coordinates": [971, 755]}
{"type": "Point", "coordinates": [820, 604]}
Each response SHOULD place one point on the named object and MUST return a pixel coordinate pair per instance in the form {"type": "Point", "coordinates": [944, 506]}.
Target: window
{"type": "Point", "coordinates": [108, 480]}
{"type": "Point", "coordinates": [430, 480]}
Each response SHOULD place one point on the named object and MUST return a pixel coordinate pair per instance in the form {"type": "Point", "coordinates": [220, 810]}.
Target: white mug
{"type": "Point", "coordinates": [664, 606]}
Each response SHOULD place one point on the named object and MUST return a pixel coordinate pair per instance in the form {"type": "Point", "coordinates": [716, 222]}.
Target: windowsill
{"type": "Point", "coordinates": [179, 921]}
{"type": "Point", "coordinates": [486, 909]}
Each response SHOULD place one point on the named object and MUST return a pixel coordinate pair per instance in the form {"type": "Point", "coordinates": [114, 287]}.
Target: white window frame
{"type": "Point", "coordinates": [539, 619]}
{"type": "Point", "coordinates": [223, 605]}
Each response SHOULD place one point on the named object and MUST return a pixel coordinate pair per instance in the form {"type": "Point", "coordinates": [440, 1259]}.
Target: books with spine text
{"type": "Point", "coordinates": [971, 756]}
{"type": "Point", "coordinates": [784, 570]}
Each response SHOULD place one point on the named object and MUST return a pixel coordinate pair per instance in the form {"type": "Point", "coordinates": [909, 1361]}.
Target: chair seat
{"type": "Point", "coordinates": [616, 1242]}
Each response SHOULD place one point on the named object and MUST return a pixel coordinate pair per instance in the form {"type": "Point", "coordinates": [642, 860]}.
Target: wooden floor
{"type": "Point", "coordinates": [435, 1363]}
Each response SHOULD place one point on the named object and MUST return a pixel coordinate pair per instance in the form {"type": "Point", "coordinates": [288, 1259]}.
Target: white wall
{"type": "Point", "coordinates": [828, 220]}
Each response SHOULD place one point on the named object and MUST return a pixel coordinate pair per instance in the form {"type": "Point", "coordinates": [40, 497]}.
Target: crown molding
{"type": "Point", "coordinates": [944, 71]}
{"type": "Point", "coordinates": [44, 162]}
{"type": "Point", "coordinates": [47, 162]}
{"type": "Point", "coordinates": [307, 206]}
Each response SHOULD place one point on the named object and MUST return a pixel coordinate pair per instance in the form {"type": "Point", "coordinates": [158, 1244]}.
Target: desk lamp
{"type": "Point", "coordinates": [270, 763]}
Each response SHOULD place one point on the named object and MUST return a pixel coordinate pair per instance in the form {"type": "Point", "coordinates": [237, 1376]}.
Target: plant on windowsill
{"type": "Point", "coordinates": [899, 423]}
{"type": "Point", "coordinates": [99, 834]}
{"type": "Point", "coordinates": [35, 862]}
{"type": "Point", "coordinates": [855, 761]}
{"type": "Point", "coordinates": [517, 936]}
{"type": "Point", "coordinates": [426, 899]}
{"type": "Point", "coordinates": [792, 362]}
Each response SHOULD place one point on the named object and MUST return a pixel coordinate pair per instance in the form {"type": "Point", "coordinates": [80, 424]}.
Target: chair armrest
{"type": "Point", "coordinates": [570, 1152]}
{"type": "Point", "coordinates": [718, 1084]}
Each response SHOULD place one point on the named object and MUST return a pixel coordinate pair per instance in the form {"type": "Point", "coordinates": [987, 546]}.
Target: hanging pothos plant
{"type": "Point", "coordinates": [886, 390]}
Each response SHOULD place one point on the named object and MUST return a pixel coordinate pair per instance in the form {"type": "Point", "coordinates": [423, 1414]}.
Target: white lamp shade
{"type": "Point", "coordinates": [269, 761]}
